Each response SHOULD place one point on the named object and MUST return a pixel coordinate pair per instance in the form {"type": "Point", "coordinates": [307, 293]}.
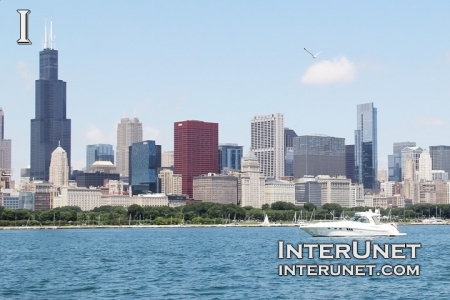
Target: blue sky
{"type": "Point", "coordinates": [226, 61]}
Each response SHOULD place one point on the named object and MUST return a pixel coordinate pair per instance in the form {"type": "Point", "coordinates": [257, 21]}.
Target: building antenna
{"type": "Point", "coordinates": [45, 34]}
{"type": "Point", "coordinates": [51, 33]}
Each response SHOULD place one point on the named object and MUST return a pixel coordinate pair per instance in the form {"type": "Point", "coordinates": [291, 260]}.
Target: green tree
{"type": "Point", "coordinates": [265, 206]}
{"type": "Point", "coordinates": [309, 206]}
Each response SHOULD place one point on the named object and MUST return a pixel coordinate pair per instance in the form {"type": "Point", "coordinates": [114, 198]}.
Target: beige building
{"type": "Point", "coordinates": [279, 190]}
{"type": "Point", "coordinates": [129, 131]}
{"type": "Point", "coordinates": [85, 198]}
{"type": "Point", "coordinates": [167, 159]}
{"type": "Point", "coordinates": [215, 188]}
{"type": "Point", "coordinates": [251, 182]}
{"type": "Point", "coordinates": [103, 167]}
{"type": "Point", "coordinates": [170, 183]}
{"type": "Point", "coordinates": [59, 168]}
{"type": "Point", "coordinates": [336, 190]}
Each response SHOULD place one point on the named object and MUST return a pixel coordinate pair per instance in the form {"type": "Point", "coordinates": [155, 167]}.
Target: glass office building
{"type": "Point", "coordinates": [142, 168]}
{"type": "Point", "coordinates": [50, 125]}
{"type": "Point", "coordinates": [230, 156]}
{"type": "Point", "coordinates": [366, 155]}
{"type": "Point", "coordinates": [98, 152]}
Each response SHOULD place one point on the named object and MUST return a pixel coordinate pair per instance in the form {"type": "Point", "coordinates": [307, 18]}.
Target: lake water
{"type": "Point", "coordinates": [201, 263]}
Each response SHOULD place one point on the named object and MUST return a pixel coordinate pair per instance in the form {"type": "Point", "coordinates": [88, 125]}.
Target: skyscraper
{"type": "Point", "coordinates": [50, 125]}
{"type": "Point", "coordinates": [414, 154]}
{"type": "Point", "coordinates": [350, 162]}
{"type": "Point", "coordinates": [59, 168]}
{"type": "Point", "coordinates": [5, 146]}
{"type": "Point", "coordinates": [129, 131]}
{"type": "Point", "coordinates": [267, 143]}
{"type": "Point", "coordinates": [143, 165]}
{"type": "Point", "coordinates": [196, 145]}
{"type": "Point", "coordinates": [98, 152]}
{"type": "Point", "coordinates": [289, 135]}
{"type": "Point", "coordinates": [366, 154]}
{"type": "Point", "coordinates": [319, 155]}
{"type": "Point", "coordinates": [440, 156]}
{"type": "Point", "coordinates": [230, 157]}
{"type": "Point", "coordinates": [395, 161]}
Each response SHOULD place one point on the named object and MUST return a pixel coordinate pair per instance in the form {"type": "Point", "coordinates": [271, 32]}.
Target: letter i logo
{"type": "Point", "coordinates": [23, 27]}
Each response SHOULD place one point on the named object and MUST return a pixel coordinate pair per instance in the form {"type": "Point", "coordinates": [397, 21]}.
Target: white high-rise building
{"type": "Point", "coordinates": [170, 183]}
{"type": "Point", "coordinates": [59, 168]}
{"type": "Point", "coordinates": [251, 182]}
{"type": "Point", "coordinates": [414, 154]}
{"type": "Point", "coordinates": [425, 166]}
{"type": "Point", "coordinates": [167, 159]}
{"type": "Point", "coordinates": [129, 131]}
{"type": "Point", "coordinates": [267, 142]}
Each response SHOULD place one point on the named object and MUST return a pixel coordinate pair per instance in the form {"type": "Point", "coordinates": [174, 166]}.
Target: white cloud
{"type": "Point", "coordinates": [25, 72]}
{"type": "Point", "coordinates": [339, 70]}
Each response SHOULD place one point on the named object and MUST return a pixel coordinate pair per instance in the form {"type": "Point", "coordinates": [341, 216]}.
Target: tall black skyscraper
{"type": "Point", "coordinates": [50, 124]}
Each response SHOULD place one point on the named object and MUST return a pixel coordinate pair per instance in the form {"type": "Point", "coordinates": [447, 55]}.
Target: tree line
{"type": "Point", "coordinates": [202, 213]}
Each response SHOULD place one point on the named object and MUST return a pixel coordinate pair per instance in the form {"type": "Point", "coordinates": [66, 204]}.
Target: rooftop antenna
{"type": "Point", "coordinates": [51, 33]}
{"type": "Point", "coordinates": [45, 34]}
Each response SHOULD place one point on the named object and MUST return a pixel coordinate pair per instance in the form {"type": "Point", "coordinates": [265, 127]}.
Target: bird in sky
{"type": "Point", "coordinates": [314, 56]}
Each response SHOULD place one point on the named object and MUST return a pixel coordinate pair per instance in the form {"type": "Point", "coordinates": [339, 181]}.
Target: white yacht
{"type": "Point", "coordinates": [433, 221]}
{"type": "Point", "coordinates": [363, 224]}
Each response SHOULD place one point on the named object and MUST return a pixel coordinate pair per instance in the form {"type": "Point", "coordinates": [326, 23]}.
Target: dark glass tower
{"type": "Point", "coordinates": [366, 163]}
{"type": "Point", "coordinates": [50, 124]}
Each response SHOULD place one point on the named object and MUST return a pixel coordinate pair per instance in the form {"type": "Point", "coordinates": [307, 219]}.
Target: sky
{"type": "Point", "coordinates": [227, 61]}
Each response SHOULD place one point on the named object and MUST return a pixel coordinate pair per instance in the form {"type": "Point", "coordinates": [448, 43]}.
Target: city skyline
{"type": "Point", "coordinates": [195, 56]}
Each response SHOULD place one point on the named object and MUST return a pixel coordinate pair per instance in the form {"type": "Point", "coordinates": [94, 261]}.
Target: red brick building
{"type": "Point", "coordinates": [196, 151]}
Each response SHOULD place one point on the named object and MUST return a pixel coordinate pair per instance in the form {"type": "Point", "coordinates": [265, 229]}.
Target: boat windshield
{"type": "Point", "coordinates": [376, 220]}
{"type": "Point", "coordinates": [361, 219]}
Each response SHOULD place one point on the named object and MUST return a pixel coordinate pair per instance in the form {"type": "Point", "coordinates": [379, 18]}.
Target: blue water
{"type": "Point", "coordinates": [200, 263]}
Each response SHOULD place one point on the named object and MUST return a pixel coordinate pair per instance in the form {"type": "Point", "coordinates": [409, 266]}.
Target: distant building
{"type": "Point", "coordinates": [439, 175]}
{"type": "Point", "coordinates": [59, 167]}
{"type": "Point", "coordinates": [97, 179]}
{"type": "Point", "coordinates": [440, 157]}
{"type": "Point", "coordinates": [230, 156]}
{"type": "Point", "coordinates": [279, 190]}
{"type": "Point", "coordinates": [425, 166]}
{"type": "Point", "coordinates": [350, 162]}
{"type": "Point", "coordinates": [319, 155]}
{"type": "Point", "coordinates": [382, 176]}
{"type": "Point", "coordinates": [195, 151]}
{"type": "Point", "coordinates": [251, 182]}
{"type": "Point", "coordinates": [289, 135]}
{"type": "Point", "coordinates": [170, 183]}
{"type": "Point", "coordinates": [129, 131]}
{"type": "Point", "coordinates": [50, 126]}
{"type": "Point", "coordinates": [366, 153]}
{"type": "Point", "coordinates": [10, 199]}
{"type": "Point", "coordinates": [395, 161]}
{"type": "Point", "coordinates": [215, 188]}
{"type": "Point", "coordinates": [98, 152]}
{"type": "Point", "coordinates": [336, 190]}
{"type": "Point", "coordinates": [308, 190]}
{"type": "Point", "coordinates": [167, 159]}
{"type": "Point", "coordinates": [5, 146]}
{"type": "Point", "coordinates": [143, 166]}
{"type": "Point", "coordinates": [103, 166]}
{"type": "Point", "coordinates": [412, 153]}
{"type": "Point", "coordinates": [267, 142]}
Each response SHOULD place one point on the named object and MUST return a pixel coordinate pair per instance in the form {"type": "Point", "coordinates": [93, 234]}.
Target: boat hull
{"type": "Point", "coordinates": [350, 229]}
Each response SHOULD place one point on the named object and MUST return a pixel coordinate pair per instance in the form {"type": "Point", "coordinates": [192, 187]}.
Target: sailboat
{"type": "Point", "coordinates": [266, 222]}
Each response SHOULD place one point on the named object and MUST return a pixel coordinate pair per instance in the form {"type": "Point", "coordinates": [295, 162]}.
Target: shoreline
{"type": "Point", "coordinates": [136, 226]}
{"type": "Point", "coordinates": [163, 226]}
